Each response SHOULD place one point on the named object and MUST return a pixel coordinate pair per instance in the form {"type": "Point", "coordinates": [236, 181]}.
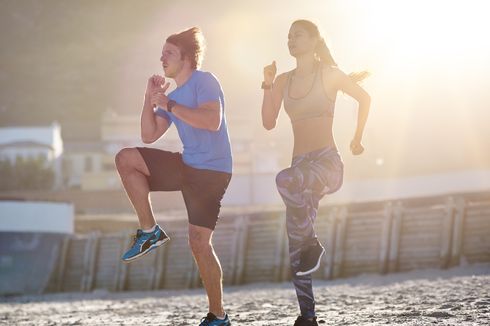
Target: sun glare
{"type": "Point", "coordinates": [422, 33]}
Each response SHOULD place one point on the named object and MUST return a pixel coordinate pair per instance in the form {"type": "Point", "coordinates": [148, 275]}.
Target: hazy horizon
{"type": "Point", "coordinates": [70, 61]}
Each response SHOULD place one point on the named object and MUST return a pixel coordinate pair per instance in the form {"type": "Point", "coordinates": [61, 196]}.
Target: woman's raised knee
{"type": "Point", "coordinates": [283, 178]}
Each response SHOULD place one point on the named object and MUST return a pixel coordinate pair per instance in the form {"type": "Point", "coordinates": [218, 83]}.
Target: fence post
{"type": "Point", "coordinates": [62, 263]}
{"type": "Point", "coordinates": [330, 250]}
{"type": "Point", "coordinates": [160, 260]}
{"type": "Point", "coordinates": [122, 272]}
{"type": "Point", "coordinates": [285, 264]}
{"type": "Point", "coordinates": [385, 238]}
{"type": "Point", "coordinates": [154, 268]}
{"type": "Point", "coordinates": [233, 251]}
{"type": "Point", "coordinates": [280, 239]}
{"type": "Point", "coordinates": [89, 262]}
{"type": "Point", "coordinates": [457, 240]}
{"type": "Point", "coordinates": [446, 233]}
{"type": "Point", "coordinates": [339, 242]}
{"type": "Point", "coordinates": [241, 226]}
{"type": "Point", "coordinates": [396, 228]}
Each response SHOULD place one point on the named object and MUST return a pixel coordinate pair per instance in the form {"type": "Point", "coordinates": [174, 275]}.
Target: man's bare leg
{"type": "Point", "coordinates": [134, 173]}
{"type": "Point", "coordinates": [209, 267]}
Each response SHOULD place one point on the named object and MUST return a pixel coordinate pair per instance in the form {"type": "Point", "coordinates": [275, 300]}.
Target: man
{"type": "Point", "coordinates": [202, 172]}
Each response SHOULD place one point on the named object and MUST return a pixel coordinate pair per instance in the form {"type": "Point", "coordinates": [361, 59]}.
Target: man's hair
{"type": "Point", "coordinates": [191, 45]}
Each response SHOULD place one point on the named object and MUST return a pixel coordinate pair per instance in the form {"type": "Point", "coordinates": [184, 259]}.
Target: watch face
{"type": "Point", "coordinates": [170, 105]}
{"type": "Point", "coordinates": [265, 86]}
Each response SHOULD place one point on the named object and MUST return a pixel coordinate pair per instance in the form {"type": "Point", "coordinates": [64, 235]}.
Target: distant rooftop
{"type": "Point", "coordinates": [49, 136]}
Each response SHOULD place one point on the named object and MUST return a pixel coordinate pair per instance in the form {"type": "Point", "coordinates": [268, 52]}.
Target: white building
{"type": "Point", "coordinates": [34, 143]}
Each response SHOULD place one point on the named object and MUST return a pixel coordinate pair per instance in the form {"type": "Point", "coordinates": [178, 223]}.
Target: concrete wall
{"type": "Point", "coordinates": [25, 216]}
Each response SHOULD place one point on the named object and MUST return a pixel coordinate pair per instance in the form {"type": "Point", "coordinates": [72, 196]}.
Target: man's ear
{"type": "Point", "coordinates": [183, 55]}
{"type": "Point", "coordinates": [188, 61]}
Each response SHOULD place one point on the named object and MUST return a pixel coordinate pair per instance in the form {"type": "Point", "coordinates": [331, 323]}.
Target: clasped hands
{"type": "Point", "coordinates": [156, 89]}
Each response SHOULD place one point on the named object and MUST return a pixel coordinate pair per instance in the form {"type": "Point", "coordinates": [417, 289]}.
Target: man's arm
{"type": "Point", "coordinates": [208, 114]}
{"type": "Point", "coordinates": [152, 126]}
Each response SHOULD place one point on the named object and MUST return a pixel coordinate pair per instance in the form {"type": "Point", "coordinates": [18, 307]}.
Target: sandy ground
{"type": "Point", "coordinates": [458, 296]}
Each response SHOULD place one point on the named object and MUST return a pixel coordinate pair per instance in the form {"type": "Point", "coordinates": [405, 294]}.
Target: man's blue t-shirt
{"type": "Point", "coordinates": [203, 149]}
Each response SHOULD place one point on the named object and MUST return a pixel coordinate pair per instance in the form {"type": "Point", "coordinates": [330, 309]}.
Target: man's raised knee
{"type": "Point", "coordinates": [123, 159]}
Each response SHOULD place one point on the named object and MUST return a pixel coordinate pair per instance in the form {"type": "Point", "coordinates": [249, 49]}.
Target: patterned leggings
{"type": "Point", "coordinates": [310, 177]}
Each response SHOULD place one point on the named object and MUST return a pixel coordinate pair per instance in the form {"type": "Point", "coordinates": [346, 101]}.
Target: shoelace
{"type": "Point", "coordinates": [136, 237]}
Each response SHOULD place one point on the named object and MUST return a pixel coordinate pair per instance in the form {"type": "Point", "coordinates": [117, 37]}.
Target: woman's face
{"type": "Point", "coordinates": [299, 41]}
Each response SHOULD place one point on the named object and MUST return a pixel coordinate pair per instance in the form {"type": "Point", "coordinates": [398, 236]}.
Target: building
{"type": "Point", "coordinates": [42, 143]}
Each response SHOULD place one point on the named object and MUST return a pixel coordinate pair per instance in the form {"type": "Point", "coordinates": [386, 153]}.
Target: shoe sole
{"type": "Point", "coordinates": [314, 268]}
{"type": "Point", "coordinates": [141, 254]}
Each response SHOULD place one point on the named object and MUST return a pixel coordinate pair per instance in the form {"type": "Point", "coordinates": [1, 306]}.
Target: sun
{"type": "Point", "coordinates": [422, 33]}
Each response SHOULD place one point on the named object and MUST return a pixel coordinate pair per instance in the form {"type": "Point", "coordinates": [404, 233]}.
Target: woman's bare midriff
{"type": "Point", "coordinates": [312, 134]}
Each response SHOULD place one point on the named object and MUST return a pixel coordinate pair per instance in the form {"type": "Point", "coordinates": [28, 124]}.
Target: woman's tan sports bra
{"type": "Point", "coordinates": [315, 103]}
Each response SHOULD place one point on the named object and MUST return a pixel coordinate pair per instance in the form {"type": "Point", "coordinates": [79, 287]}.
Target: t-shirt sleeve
{"type": "Point", "coordinates": [208, 89]}
{"type": "Point", "coordinates": [163, 114]}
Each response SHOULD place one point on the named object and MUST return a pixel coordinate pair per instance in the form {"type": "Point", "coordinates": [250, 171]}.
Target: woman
{"type": "Point", "coordinates": [309, 92]}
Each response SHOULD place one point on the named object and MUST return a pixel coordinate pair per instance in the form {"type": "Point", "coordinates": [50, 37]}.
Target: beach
{"type": "Point", "coordinates": [457, 296]}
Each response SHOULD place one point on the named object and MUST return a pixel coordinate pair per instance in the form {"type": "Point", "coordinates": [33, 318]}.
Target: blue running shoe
{"type": "Point", "coordinates": [212, 320]}
{"type": "Point", "coordinates": [144, 243]}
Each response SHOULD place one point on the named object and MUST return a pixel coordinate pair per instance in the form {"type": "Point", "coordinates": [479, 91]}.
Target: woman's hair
{"type": "Point", "coordinates": [322, 52]}
{"type": "Point", "coordinates": [191, 45]}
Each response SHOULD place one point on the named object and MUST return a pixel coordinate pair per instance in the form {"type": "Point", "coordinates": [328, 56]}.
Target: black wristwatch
{"type": "Point", "coordinates": [170, 105]}
{"type": "Point", "coordinates": [266, 86]}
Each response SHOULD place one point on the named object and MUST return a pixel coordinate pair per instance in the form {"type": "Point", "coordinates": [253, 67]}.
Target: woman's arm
{"type": "Point", "coordinates": [347, 85]}
{"type": "Point", "coordinates": [273, 96]}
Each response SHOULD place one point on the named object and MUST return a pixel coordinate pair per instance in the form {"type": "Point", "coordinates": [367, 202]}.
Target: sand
{"type": "Point", "coordinates": [458, 296]}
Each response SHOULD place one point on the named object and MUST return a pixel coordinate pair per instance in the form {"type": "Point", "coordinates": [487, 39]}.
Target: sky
{"type": "Point", "coordinates": [429, 62]}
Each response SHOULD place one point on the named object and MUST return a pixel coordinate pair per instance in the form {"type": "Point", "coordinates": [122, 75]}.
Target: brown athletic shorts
{"type": "Point", "coordinates": [201, 189]}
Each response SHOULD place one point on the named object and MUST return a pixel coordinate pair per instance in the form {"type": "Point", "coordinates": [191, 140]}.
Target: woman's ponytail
{"type": "Point", "coordinates": [322, 52]}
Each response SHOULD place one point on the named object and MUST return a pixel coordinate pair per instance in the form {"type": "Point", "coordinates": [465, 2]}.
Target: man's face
{"type": "Point", "coordinates": [172, 61]}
